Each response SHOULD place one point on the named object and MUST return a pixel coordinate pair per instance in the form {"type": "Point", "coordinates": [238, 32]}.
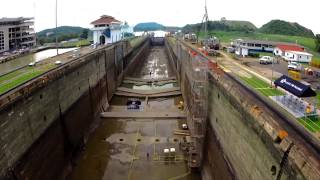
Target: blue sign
{"type": "Point", "coordinates": [107, 33]}
{"type": "Point", "coordinates": [294, 87]}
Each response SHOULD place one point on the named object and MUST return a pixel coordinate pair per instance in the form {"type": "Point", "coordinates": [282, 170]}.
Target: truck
{"type": "Point", "coordinates": [211, 45]}
{"type": "Point", "coordinates": [266, 60]}
{"type": "Point", "coordinates": [294, 66]}
{"type": "Point", "coordinates": [191, 37]}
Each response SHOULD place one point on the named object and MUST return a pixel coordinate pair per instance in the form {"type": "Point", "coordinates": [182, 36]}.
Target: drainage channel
{"type": "Point", "coordinates": [134, 146]}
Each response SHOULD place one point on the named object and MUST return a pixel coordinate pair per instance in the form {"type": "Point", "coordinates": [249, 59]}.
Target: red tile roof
{"type": "Point", "coordinates": [105, 20]}
{"type": "Point", "coordinates": [290, 48]}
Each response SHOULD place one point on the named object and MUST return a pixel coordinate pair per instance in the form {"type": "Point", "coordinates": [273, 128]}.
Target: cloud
{"type": "Point", "coordinates": [168, 12]}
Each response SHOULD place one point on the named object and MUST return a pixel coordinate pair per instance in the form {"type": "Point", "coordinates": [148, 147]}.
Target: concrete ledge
{"type": "Point", "coordinates": [147, 92]}
{"type": "Point", "coordinates": [126, 94]}
{"type": "Point", "coordinates": [143, 114]}
{"type": "Point", "coordinates": [139, 83]}
{"type": "Point", "coordinates": [149, 80]}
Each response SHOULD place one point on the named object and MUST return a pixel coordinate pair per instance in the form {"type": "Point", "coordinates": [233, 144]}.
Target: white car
{"type": "Point", "coordinates": [32, 64]}
{"type": "Point", "coordinates": [265, 60]}
{"type": "Point", "coordinates": [58, 63]}
{"type": "Point", "coordinates": [294, 66]}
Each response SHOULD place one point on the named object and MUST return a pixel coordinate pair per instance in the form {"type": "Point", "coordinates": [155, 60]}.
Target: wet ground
{"type": "Point", "coordinates": [133, 148]}
{"type": "Point", "coordinates": [155, 66]}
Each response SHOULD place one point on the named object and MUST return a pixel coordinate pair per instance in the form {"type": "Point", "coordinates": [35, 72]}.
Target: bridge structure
{"type": "Point", "coordinates": [119, 112]}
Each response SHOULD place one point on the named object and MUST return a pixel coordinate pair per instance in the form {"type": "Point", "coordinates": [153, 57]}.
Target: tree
{"type": "Point", "coordinates": [84, 34]}
{"type": "Point", "coordinates": [317, 40]}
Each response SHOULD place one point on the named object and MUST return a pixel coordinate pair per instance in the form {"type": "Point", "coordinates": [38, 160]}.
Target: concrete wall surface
{"type": "Point", "coordinates": [45, 121]}
{"type": "Point", "coordinates": [243, 127]}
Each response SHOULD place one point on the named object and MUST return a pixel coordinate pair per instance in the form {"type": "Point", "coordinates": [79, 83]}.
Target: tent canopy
{"type": "Point", "coordinates": [294, 87]}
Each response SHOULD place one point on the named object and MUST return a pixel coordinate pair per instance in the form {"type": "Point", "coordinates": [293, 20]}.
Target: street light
{"type": "Point", "coordinates": [57, 26]}
{"type": "Point", "coordinates": [272, 62]}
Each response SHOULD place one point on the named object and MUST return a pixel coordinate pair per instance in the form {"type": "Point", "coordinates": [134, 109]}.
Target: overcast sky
{"type": "Point", "coordinates": [167, 12]}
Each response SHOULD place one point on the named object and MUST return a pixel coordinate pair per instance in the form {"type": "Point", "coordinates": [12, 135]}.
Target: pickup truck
{"type": "Point", "coordinates": [265, 60]}
{"type": "Point", "coordinates": [294, 66]}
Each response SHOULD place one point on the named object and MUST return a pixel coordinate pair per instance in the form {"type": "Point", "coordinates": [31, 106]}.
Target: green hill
{"type": "Point", "coordinates": [149, 26]}
{"type": "Point", "coordinates": [223, 25]}
{"type": "Point", "coordinates": [286, 28]}
{"type": "Point", "coordinates": [64, 33]}
{"type": "Point", "coordinates": [62, 30]}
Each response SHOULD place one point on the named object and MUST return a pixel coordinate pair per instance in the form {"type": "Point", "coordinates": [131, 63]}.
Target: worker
{"type": "Point", "coordinates": [147, 155]}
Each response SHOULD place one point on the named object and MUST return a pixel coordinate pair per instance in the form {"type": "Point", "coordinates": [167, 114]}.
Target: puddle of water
{"type": "Point", "coordinates": [152, 86]}
{"type": "Point", "coordinates": [156, 65]}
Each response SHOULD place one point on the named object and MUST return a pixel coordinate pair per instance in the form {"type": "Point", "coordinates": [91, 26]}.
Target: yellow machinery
{"type": "Point", "coordinates": [181, 105]}
{"type": "Point", "coordinates": [296, 75]}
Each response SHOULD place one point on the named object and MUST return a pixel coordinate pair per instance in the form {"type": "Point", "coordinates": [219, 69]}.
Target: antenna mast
{"type": "Point", "coordinates": [205, 20]}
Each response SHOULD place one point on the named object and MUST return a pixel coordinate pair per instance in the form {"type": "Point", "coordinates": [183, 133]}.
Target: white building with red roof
{"type": "Point", "coordinates": [293, 53]}
{"type": "Point", "coordinates": [106, 30]}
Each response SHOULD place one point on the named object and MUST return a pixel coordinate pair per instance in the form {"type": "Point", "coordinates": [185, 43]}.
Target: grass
{"type": "Point", "coordinates": [310, 123]}
{"type": "Point", "coordinates": [318, 95]}
{"type": "Point", "coordinates": [172, 40]}
{"type": "Point", "coordinates": [264, 54]}
{"type": "Point", "coordinates": [18, 81]}
{"type": "Point", "coordinates": [136, 41]}
{"type": "Point", "coordinates": [308, 43]}
{"type": "Point", "coordinates": [21, 76]}
{"type": "Point", "coordinates": [261, 86]}
{"type": "Point", "coordinates": [227, 37]}
{"type": "Point", "coordinates": [10, 76]}
{"type": "Point", "coordinates": [80, 43]}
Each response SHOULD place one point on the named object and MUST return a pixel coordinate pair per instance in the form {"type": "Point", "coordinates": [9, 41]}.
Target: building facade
{"type": "Point", "coordinates": [16, 33]}
{"type": "Point", "coordinates": [293, 53]}
{"type": "Point", "coordinates": [245, 47]}
{"type": "Point", "coordinates": [106, 30]}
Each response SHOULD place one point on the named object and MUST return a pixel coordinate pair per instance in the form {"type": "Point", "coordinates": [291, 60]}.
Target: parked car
{"type": "Point", "coordinates": [32, 64]}
{"type": "Point", "coordinates": [294, 66]}
{"type": "Point", "coordinates": [266, 60]}
{"type": "Point", "coordinates": [58, 63]}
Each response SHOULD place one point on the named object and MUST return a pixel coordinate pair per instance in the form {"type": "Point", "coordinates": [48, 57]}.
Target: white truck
{"type": "Point", "coordinates": [294, 66]}
{"type": "Point", "coordinates": [266, 60]}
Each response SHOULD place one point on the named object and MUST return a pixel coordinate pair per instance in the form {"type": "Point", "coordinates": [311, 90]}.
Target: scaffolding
{"type": "Point", "coordinates": [194, 84]}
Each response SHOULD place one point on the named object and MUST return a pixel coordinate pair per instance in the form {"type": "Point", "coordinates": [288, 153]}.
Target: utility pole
{"type": "Point", "coordinates": [272, 61]}
{"type": "Point", "coordinates": [34, 23]}
{"type": "Point", "coordinates": [205, 21]}
{"type": "Point", "coordinates": [57, 26]}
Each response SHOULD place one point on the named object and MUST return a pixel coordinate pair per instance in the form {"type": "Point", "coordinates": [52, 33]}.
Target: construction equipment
{"type": "Point", "coordinates": [191, 37]}
{"type": "Point", "coordinates": [211, 45]}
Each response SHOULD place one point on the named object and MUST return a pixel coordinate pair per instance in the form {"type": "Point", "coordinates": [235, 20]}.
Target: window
{"type": "Point", "coordinates": [1, 40]}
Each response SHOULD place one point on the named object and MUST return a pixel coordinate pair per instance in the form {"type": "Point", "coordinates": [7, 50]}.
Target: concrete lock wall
{"type": "Point", "coordinates": [42, 127]}
{"type": "Point", "coordinates": [241, 132]}
{"type": "Point", "coordinates": [249, 156]}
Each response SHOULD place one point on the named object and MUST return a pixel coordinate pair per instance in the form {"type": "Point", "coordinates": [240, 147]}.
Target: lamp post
{"type": "Point", "coordinates": [272, 63]}
{"type": "Point", "coordinates": [57, 27]}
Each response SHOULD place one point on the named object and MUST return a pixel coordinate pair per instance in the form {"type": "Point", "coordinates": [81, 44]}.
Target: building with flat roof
{"type": "Point", "coordinates": [106, 30]}
{"type": "Point", "coordinates": [244, 47]}
{"type": "Point", "coordinates": [16, 33]}
{"type": "Point", "coordinates": [293, 53]}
